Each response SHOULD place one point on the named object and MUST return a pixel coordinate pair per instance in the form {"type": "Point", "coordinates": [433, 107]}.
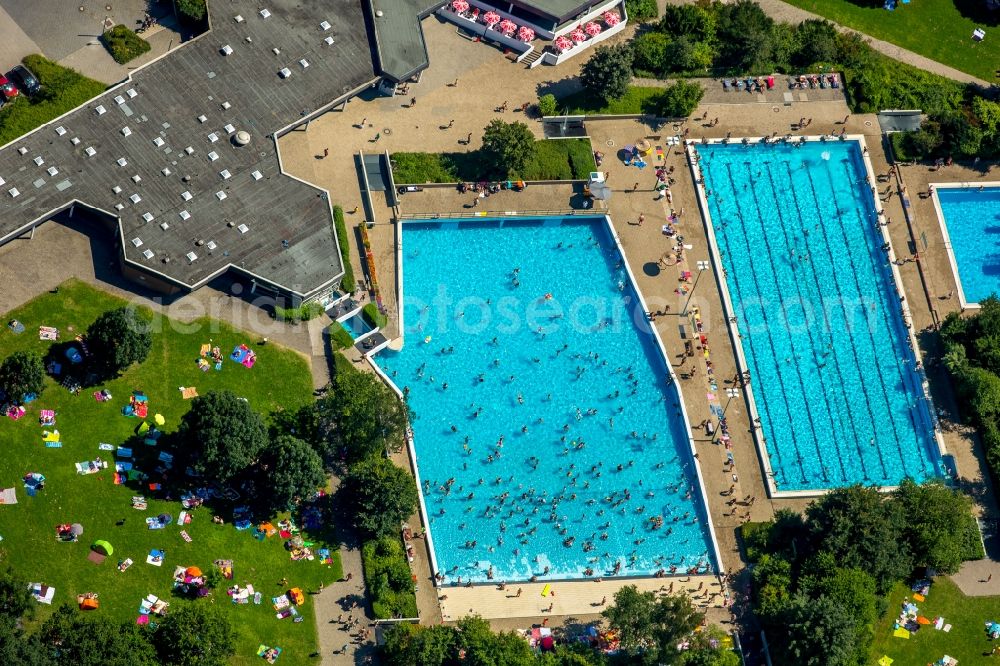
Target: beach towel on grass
{"type": "Point", "coordinates": [8, 496]}
{"type": "Point", "coordinates": [90, 467]}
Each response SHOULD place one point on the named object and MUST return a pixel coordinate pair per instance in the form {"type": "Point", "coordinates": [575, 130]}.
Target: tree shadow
{"type": "Point", "coordinates": [978, 11]}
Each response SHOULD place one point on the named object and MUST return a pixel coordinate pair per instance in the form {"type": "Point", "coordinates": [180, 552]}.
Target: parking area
{"type": "Point", "coordinates": [68, 32]}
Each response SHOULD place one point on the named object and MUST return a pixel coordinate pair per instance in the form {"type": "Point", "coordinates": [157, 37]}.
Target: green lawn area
{"type": "Point", "coordinates": [933, 28]}
{"type": "Point", "coordinates": [638, 99]}
{"type": "Point", "coordinates": [966, 641]}
{"type": "Point", "coordinates": [63, 89]}
{"type": "Point", "coordinates": [279, 380]}
{"type": "Point", "coordinates": [555, 159]}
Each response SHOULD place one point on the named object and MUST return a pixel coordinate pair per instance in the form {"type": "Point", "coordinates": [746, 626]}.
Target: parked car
{"type": "Point", "coordinates": [25, 80]}
{"type": "Point", "coordinates": [8, 89]}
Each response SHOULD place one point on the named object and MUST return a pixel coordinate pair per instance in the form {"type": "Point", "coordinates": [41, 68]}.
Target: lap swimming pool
{"type": "Point", "coordinates": [835, 380]}
{"type": "Point", "coordinates": [970, 220]}
{"type": "Point", "coordinates": [549, 437]}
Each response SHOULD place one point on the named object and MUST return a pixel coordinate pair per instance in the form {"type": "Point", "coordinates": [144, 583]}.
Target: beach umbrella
{"type": "Point", "coordinates": [592, 29]}
{"type": "Point", "coordinates": [193, 571]}
{"type": "Point", "coordinates": [612, 18]}
{"type": "Point", "coordinates": [578, 35]}
{"type": "Point", "coordinates": [563, 43]}
{"type": "Point", "coordinates": [600, 191]}
{"type": "Point", "coordinates": [159, 419]}
{"type": "Point", "coordinates": [460, 5]}
{"type": "Point", "coordinates": [507, 26]}
{"type": "Point", "coordinates": [76, 529]}
{"type": "Point", "coordinates": [525, 34]}
{"type": "Point", "coordinates": [490, 18]}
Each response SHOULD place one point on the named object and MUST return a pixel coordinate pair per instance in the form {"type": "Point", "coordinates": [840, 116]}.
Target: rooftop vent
{"type": "Point", "coordinates": [304, 63]}
{"type": "Point", "coordinates": [211, 245]}
{"type": "Point", "coordinates": [159, 142]}
{"type": "Point", "coordinates": [202, 118]}
{"type": "Point", "coordinates": [229, 128]}
{"type": "Point", "coordinates": [126, 131]}
{"type": "Point", "coordinates": [264, 13]}
{"type": "Point", "coordinates": [13, 192]}
{"type": "Point", "coordinates": [226, 105]}
{"type": "Point", "coordinates": [39, 161]}
{"type": "Point", "coordinates": [189, 150]}
{"type": "Point", "coordinates": [119, 99]}
{"type": "Point", "coordinates": [184, 215]}
{"type": "Point", "coordinates": [242, 138]}
{"type": "Point", "coordinates": [212, 156]}
{"type": "Point", "coordinates": [60, 130]}
{"type": "Point", "coordinates": [147, 253]}
{"type": "Point", "coordinates": [100, 110]}
{"type": "Point", "coordinates": [225, 174]}
{"type": "Point", "coordinates": [136, 178]}
{"type": "Point", "coordinates": [243, 228]}
{"type": "Point", "coordinates": [257, 175]}
{"type": "Point", "coordinates": [119, 206]}
{"type": "Point", "coordinates": [191, 256]}
{"type": "Point", "coordinates": [132, 94]}
{"type": "Point", "coordinates": [122, 162]}
{"type": "Point", "coordinates": [325, 25]}
{"type": "Point", "coordinates": [90, 151]}
{"type": "Point", "coordinates": [329, 41]}
{"type": "Point", "coordinates": [147, 216]}
{"type": "Point", "coordinates": [164, 226]}
{"type": "Point", "coordinates": [186, 195]}
{"type": "Point", "coordinates": [227, 50]}
{"type": "Point", "coordinates": [136, 241]}
{"type": "Point", "coordinates": [52, 172]}
{"type": "Point", "coordinates": [213, 137]}
{"type": "Point", "coordinates": [22, 150]}
{"type": "Point", "coordinates": [220, 195]}
{"type": "Point", "coordinates": [2, 181]}
{"type": "Point", "coordinates": [276, 51]}
{"type": "Point", "coordinates": [166, 171]}
{"type": "Point", "coordinates": [238, 18]}
{"type": "Point", "coordinates": [75, 141]}
{"type": "Point", "coordinates": [117, 189]}
{"type": "Point", "coordinates": [135, 198]}
{"type": "Point", "coordinates": [284, 72]}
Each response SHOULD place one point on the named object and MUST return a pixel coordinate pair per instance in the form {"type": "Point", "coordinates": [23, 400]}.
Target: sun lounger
{"type": "Point", "coordinates": [105, 447]}
{"type": "Point", "coordinates": [124, 452]}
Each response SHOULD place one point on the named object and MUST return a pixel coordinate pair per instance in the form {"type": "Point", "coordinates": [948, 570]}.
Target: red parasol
{"type": "Point", "coordinates": [460, 5]}
{"type": "Point", "coordinates": [563, 43]}
{"type": "Point", "coordinates": [592, 29]}
{"type": "Point", "coordinates": [507, 27]}
{"type": "Point", "coordinates": [525, 34]}
{"type": "Point", "coordinates": [490, 18]}
{"type": "Point", "coordinates": [578, 35]}
{"type": "Point", "coordinates": [612, 18]}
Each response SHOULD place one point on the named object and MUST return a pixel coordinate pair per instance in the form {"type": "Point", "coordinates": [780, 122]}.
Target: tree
{"type": "Point", "coordinates": [686, 54]}
{"type": "Point", "coordinates": [19, 648]}
{"type": "Point", "coordinates": [641, 10]}
{"type": "Point", "coordinates": [811, 632]}
{"type": "Point", "coordinates": [547, 105]}
{"type": "Point", "coordinates": [940, 526]}
{"type": "Point", "coordinates": [680, 99]}
{"type": "Point", "coordinates": [772, 578]}
{"type": "Point", "coordinates": [744, 31]}
{"type": "Point", "coordinates": [650, 52]}
{"type": "Point", "coordinates": [647, 626]}
{"type": "Point", "coordinates": [817, 43]}
{"type": "Point", "coordinates": [117, 339]}
{"type": "Point", "coordinates": [93, 640]}
{"type": "Point", "coordinates": [862, 531]}
{"type": "Point", "coordinates": [222, 435]}
{"type": "Point", "coordinates": [15, 599]}
{"type": "Point", "coordinates": [192, 9]}
{"type": "Point", "coordinates": [484, 648]}
{"type": "Point", "coordinates": [290, 468]}
{"type": "Point", "coordinates": [416, 644]}
{"type": "Point", "coordinates": [379, 495]}
{"type": "Point", "coordinates": [707, 649]}
{"type": "Point", "coordinates": [359, 417]}
{"type": "Point", "coordinates": [195, 635]}
{"type": "Point", "coordinates": [608, 72]}
{"type": "Point", "coordinates": [689, 20]}
{"type": "Point", "coordinates": [21, 374]}
{"type": "Point", "coordinates": [507, 147]}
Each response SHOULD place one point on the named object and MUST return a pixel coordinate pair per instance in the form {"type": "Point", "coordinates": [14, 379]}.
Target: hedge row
{"type": "Point", "coordinates": [123, 44]}
{"type": "Point", "coordinates": [389, 579]}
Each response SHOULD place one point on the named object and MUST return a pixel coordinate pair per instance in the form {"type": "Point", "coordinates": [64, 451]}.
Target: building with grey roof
{"type": "Point", "coordinates": [181, 160]}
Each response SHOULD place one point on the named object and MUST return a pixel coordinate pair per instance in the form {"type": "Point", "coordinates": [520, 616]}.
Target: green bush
{"type": "Point", "coordinates": [192, 9]}
{"type": "Point", "coordinates": [547, 105]}
{"type": "Point", "coordinates": [389, 579]}
{"type": "Point", "coordinates": [374, 316]}
{"type": "Point", "coordinates": [347, 284]}
{"type": "Point", "coordinates": [339, 337]}
{"type": "Point", "coordinates": [304, 312]}
{"type": "Point", "coordinates": [755, 537]}
{"type": "Point", "coordinates": [641, 10]}
{"type": "Point", "coordinates": [420, 168]}
{"type": "Point", "coordinates": [553, 160]}
{"type": "Point", "coordinates": [123, 44]}
{"type": "Point", "coordinates": [680, 99]}
{"type": "Point", "coordinates": [63, 89]}
{"type": "Point", "coordinates": [650, 52]}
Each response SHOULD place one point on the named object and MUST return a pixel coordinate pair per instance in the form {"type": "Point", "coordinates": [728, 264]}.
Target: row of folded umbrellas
{"type": "Point", "coordinates": [526, 34]}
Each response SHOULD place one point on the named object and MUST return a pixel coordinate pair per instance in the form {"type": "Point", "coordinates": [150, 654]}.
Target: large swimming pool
{"type": "Point", "coordinates": [972, 220]}
{"type": "Point", "coordinates": [549, 439]}
{"type": "Point", "coordinates": [833, 375]}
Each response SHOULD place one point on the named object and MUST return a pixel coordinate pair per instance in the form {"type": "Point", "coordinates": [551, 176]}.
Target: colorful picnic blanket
{"type": "Point", "coordinates": [90, 466]}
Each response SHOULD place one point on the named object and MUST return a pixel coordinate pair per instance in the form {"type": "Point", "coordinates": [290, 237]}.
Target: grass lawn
{"type": "Point", "coordinates": [63, 89]}
{"type": "Point", "coordinates": [638, 99]}
{"type": "Point", "coordinates": [555, 159]}
{"type": "Point", "coordinates": [966, 641]}
{"type": "Point", "coordinates": [279, 380]}
{"type": "Point", "coordinates": [933, 28]}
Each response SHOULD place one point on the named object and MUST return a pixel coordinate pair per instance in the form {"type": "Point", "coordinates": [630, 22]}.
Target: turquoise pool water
{"type": "Point", "coordinates": [356, 326]}
{"type": "Point", "coordinates": [973, 220]}
{"type": "Point", "coordinates": [832, 373]}
{"type": "Point", "coordinates": [546, 433]}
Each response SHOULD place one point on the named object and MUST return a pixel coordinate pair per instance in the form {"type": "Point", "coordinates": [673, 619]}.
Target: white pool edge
{"type": "Point", "coordinates": [411, 448]}
{"type": "Point", "coordinates": [733, 327]}
{"type": "Point", "coordinates": [943, 225]}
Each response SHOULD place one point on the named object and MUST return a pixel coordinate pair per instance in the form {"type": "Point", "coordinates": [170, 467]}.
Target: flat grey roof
{"type": "Point", "coordinates": [560, 10]}
{"type": "Point", "coordinates": [157, 150]}
{"type": "Point", "coordinates": [399, 39]}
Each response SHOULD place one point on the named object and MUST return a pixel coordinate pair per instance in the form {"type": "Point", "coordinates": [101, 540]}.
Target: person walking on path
{"type": "Point", "coordinates": [642, 218]}
{"type": "Point", "coordinates": [451, 123]}
{"type": "Point", "coordinates": [635, 187]}
{"type": "Point", "coordinates": [468, 139]}
{"type": "Point", "coordinates": [413, 102]}
{"type": "Point", "coordinates": [326, 152]}
{"type": "Point", "coordinates": [364, 123]}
